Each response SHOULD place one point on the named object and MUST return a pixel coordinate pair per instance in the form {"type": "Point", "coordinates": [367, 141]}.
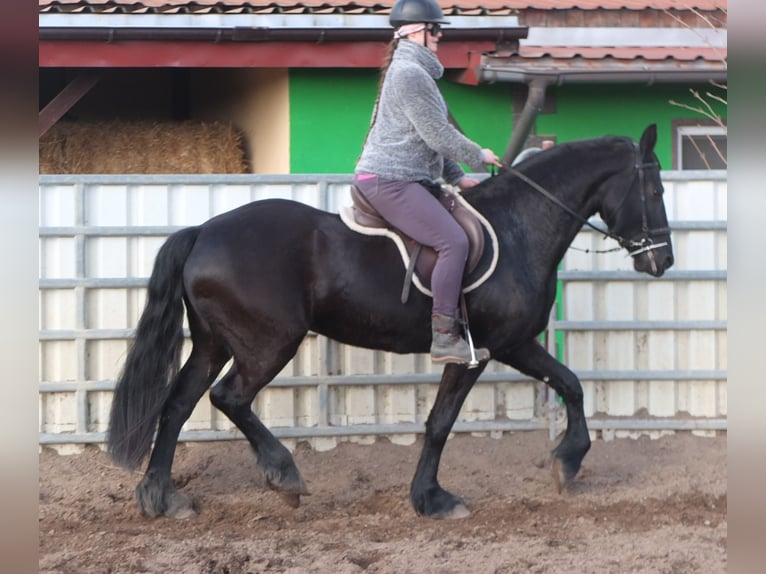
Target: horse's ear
{"type": "Point", "coordinates": [648, 139]}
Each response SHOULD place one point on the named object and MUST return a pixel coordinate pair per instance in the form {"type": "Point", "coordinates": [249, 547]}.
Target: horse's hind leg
{"type": "Point", "coordinates": [234, 396]}
{"type": "Point", "coordinates": [533, 360]}
{"type": "Point", "coordinates": [427, 496]}
{"type": "Point", "coordinates": [155, 493]}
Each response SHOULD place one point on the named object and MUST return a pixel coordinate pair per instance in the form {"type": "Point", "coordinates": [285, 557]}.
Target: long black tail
{"type": "Point", "coordinates": [154, 356]}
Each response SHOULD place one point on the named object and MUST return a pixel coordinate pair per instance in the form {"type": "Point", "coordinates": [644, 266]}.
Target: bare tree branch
{"type": "Point", "coordinates": [705, 19]}
{"type": "Point", "coordinates": [705, 108]}
{"type": "Point", "coordinates": [717, 150]}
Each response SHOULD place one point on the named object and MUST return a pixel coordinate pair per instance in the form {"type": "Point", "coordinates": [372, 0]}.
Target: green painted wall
{"type": "Point", "coordinates": [585, 111]}
{"type": "Point", "coordinates": [484, 113]}
{"type": "Point", "coordinates": [330, 110]}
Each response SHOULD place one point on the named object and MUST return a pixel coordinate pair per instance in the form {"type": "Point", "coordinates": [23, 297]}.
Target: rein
{"type": "Point", "coordinates": [634, 247]}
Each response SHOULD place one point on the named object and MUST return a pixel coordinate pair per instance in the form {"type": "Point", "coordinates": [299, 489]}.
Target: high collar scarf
{"type": "Point", "coordinates": [412, 52]}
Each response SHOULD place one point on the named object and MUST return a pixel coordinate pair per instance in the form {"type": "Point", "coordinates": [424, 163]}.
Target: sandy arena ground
{"type": "Point", "coordinates": [654, 506]}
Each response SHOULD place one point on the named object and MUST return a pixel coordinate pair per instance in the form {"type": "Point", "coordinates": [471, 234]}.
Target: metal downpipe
{"type": "Point", "coordinates": [534, 104]}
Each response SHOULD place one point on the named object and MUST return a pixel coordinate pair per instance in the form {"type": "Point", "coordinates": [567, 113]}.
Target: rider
{"type": "Point", "coordinates": [411, 143]}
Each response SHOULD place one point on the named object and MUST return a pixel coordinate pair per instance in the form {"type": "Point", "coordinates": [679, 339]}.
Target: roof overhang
{"type": "Point", "coordinates": [198, 54]}
{"type": "Point", "coordinates": [251, 40]}
{"type": "Point", "coordinates": [556, 56]}
{"type": "Point", "coordinates": [579, 70]}
{"type": "Point", "coordinates": [476, 49]}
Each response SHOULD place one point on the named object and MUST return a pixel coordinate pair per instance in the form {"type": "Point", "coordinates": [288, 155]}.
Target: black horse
{"type": "Point", "coordinates": [255, 280]}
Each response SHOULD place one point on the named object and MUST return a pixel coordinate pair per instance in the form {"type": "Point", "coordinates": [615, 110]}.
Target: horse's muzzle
{"type": "Point", "coordinates": [654, 262]}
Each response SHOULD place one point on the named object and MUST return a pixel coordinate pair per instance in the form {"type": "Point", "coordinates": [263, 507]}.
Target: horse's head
{"type": "Point", "coordinates": [634, 209]}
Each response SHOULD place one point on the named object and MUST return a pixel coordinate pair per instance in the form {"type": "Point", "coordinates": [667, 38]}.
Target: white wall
{"type": "Point", "coordinates": [645, 349]}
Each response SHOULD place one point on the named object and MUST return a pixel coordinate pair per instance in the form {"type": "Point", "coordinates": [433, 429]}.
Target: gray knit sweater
{"type": "Point", "coordinates": [412, 139]}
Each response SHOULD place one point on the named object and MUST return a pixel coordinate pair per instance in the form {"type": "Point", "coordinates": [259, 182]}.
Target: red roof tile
{"type": "Point", "coordinates": [623, 53]}
{"type": "Point", "coordinates": [450, 6]}
{"type": "Point", "coordinates": [561, 56]}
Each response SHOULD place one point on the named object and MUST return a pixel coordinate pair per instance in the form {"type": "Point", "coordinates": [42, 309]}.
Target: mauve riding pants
{"type": "Point", "coordinates": [410, 207]}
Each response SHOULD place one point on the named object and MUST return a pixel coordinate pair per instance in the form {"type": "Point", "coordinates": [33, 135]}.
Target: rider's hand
{"type": "Point", "coordinates": [489, 158]}
{"type": "Point", "coordinates": [466, 182]}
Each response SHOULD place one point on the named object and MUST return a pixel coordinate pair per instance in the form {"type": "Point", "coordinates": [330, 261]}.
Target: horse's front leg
{"type": "Point", "coordinates": [533, 360]}
{"type": "Point", "coordinates": [428, 498]}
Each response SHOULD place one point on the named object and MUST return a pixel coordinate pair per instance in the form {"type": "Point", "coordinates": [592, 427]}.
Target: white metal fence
{"type": "Point", "coordinates": [651, 353]}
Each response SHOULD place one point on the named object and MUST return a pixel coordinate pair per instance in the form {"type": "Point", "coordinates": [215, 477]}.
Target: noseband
{"type": "Point", "coordinates": [642, 243]}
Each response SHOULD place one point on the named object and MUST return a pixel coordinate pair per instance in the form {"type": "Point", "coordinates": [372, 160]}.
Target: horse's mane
{"type": "Point", "coordinates": [564, 156]}
{"type": "Point", "coordinates": [561, 151]}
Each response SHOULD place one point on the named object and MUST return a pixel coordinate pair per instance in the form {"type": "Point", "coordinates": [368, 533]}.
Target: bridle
{"type": "Point", "coordinates": [641, 243]}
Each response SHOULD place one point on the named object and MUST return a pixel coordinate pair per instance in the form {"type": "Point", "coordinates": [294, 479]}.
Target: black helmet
{"type": "Point", "coordinates": [416, 11]}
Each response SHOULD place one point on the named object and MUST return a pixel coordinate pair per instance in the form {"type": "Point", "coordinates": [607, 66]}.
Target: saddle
{"type": "Point", "coordinates": [422, 257]}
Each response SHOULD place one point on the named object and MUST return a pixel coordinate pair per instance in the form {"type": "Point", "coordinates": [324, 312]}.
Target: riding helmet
{"type": "Point", "coordinates": [416, 11]}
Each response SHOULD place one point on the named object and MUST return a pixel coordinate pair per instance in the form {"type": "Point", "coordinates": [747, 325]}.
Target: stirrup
{"type": "Point", "coordinates": [474, 362]}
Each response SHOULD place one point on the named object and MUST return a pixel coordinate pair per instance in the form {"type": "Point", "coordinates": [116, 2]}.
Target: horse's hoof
{"type": "Point", "coordinates": [459, 511]}
{"type": "Point", "coordinates": [154, 502]}
{"type": "Point", "coordinates": [559, 477]}
{"type": "Point", "coordinates": [563, 474]}
{"type": "Point", "coordinates": [293, 499]}
{"type": "Point", "coordinates": [287, 482]}
{"type": "Point", "coordinates": [180, 506]}
{"type": "Point", "coordinates": [183, 513]}
{"type": "Point", "coordinates": [438, 503]}
{"type": "Point", "coordinates": [290, 488]}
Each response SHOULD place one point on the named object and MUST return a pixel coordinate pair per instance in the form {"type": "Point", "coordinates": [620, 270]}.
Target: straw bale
{"type": "Point", "coordinates": [142, 147]}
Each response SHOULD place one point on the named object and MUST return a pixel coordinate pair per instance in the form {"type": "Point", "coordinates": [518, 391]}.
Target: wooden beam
{"type": "Point", "coordinates": [191, 54]}
{"type": "Point", "coordinates": [63, 102]}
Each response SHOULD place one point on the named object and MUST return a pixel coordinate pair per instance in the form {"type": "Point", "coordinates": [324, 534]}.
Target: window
{"type": "Point", "coordinates": [699, 146]}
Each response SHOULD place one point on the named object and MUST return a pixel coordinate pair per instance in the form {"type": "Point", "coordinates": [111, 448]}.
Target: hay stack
{"type": "Point", "coordinates": [142, 147]}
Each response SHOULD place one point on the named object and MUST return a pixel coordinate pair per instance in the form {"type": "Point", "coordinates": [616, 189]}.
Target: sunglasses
{"type": "Point", "coordinates": [433, 28]}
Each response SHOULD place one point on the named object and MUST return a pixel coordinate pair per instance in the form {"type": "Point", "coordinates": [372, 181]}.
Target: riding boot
{"type": "Point", "coordinates": [447, 346]}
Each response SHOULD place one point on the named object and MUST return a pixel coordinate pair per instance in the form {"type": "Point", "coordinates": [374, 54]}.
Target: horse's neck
{"type": "Point", "coordinates": [552, 231]}
{"type": "Point", "coordinates": [546, 228]}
